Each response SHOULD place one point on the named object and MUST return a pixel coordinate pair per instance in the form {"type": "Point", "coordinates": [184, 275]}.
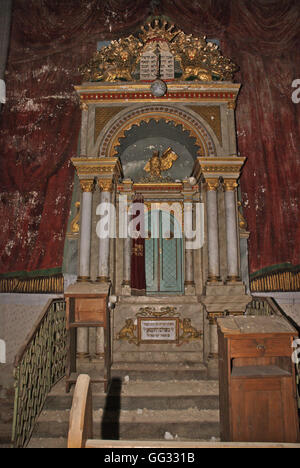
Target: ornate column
{"type": "Point", "coordinates": [87, 187]}
{"type": "Point", "coordinates": [233, 273]}
{"type": "Point", "coordinates": [126, 284]}
{"type": "Point", "coordinates": [212, 229]}
{"type": "Point", "coordinates": [231, 297]}
{"type": "Point", "coordinates": [86, 169]}
{"type": "Point", "coordinates": [188, 194]}
{"type": "Point", "coordinates": [106, 187]}
{"type": "Point", "coordinates": [86, 176]}
{"type": "Point", "coordinates": [110, 171]}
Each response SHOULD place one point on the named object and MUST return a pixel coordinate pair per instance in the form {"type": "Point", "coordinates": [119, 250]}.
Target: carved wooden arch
{"type": "Point", "coordinates": [125, 120]}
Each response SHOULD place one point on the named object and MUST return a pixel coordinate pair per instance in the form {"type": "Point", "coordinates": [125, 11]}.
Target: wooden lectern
{"type": "Point", "coordinates": [87, 306]}
{"type": "Point", "coordinates": [257, 380]}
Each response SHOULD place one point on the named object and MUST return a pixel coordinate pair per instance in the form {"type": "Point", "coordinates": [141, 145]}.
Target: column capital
{"type": "Point", "coordinates": [231, 105]}
{"type": "Point", "coordinates": [87, 185]}
{"type": "Point", "coordinates": [230, 185]}
{"type": "Point", "coordinates": [106, 185]}
{"type": "Point", "coordinates": [212, 185]}
{"type": "Point", "coordinates": [84, 106]}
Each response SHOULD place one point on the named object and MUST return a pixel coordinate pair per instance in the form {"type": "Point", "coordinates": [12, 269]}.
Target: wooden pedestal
{"type": "Point", "coordinates": [257, 380]}
{"type": "Point", "coordinates": [87, 306]}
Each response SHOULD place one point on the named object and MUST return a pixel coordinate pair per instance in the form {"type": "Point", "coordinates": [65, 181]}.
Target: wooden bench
{"type": "Point", "coordinates": [81, 429]}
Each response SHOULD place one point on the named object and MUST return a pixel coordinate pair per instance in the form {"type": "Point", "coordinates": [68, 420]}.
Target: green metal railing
{"type": "Point", "coordinates": [39, 365]}
{"type": "Point", "coordinates": [262, 306]}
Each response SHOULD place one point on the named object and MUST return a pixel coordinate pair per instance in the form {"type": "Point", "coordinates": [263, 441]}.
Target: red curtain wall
{"type": "Point", "coordinates": [40, 123]}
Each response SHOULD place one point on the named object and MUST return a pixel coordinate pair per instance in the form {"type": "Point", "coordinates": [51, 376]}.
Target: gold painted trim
{"type": "Point", "coordinates": [174, 86]}
{"type": "Point", "coordinates": [213, 279]}
{"type": "Point", "coordinates": [170, 100]}
{"type": "Point", "coordinates": [83, 279]}
{"type": "Point", "coordinates": [233, 279]}
{"type": "Point", "coordinates": [103, 279]}
{"type": "Point", "coordinates": [159, 185]}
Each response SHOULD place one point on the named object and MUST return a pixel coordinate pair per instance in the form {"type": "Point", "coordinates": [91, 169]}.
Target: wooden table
{"type": "Point", "coordinates": [257, 380]}
{"type": "Point", "coordinates": [87, 306]}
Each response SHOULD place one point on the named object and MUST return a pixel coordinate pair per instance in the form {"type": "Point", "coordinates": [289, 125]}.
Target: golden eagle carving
{"type": "Point", "coordinates": [158, 164]}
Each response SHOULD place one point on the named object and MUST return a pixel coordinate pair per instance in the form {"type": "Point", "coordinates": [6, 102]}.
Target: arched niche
{"type": "Point", "coordinates": [109, 139]}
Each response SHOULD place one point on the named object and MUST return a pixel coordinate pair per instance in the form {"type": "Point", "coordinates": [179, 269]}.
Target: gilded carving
{"type": "Point", "coordinates": [128, 332]}
{"type": "Point", "coordinates": [201, 60]}
{"type": "Point", "coordinates": [242, 221]}
{"type": "Point", "coordinates": [152, 312]}
{"type": "Point", "coordinates": [187, 333]}
{"type": "Point", "coordinates": [75, 228]}
{"type": "Point", "coordinates": [84, 106]}
{"type": "Point", "coordinates": [231, 105]}
{"type": "Point", "coordinates": [116, 62]}
{"type": "Point", "coordinates": [87, 185]}
{"type": "Point", "coordinates": [158, 164]}
{"type": "Point", "coordinates": [198, 58]}
{"type": "Point", "coordinates": [106, 185]}
{"type": "Point", "coordinates": [230, 185]}
{"type": "Point", "coordinates": [212, 184]}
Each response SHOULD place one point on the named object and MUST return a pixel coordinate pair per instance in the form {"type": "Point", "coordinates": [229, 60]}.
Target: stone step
{"type": "Point", "coordinates": [48, 442]}
{"type": "Point", "coordinates": [159, 371]}
{"type": "Point", "coordinates": [157, 356]}
{"type": "Point", "coordinates": [5, 433]}
{"type": "Point", "coordinates": [155, 395]}
{"type": "Point", "coordinates": [141, 424]}
{"type": "Point", "coordinates": [136, 410]}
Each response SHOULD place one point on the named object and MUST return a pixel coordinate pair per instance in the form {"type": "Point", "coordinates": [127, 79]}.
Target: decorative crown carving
{"type": "Point", "coordinates": [158, 30]}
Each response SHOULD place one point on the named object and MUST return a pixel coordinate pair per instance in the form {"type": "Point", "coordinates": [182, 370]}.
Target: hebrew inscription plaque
{"type": "Point", "coordinates": [158, 330]}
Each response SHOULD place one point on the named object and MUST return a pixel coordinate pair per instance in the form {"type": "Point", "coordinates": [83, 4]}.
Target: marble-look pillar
{"type": "Point", "coordinates": [99, 342]}
{"type": "Point", "coordinates": [87, 187]}
{"type": "Point", "coordinates": [212, 230]}
{"type": "Point", "coordinates": [189, 284]}
{"type": "Point", "coordinates": [106, 186]}
{"type": "Point", "coordinates": [231, 230]}
{"type": "Point", "coordinates": [127, 262]}
{"type": "Point", "coordinates": [82, 342]}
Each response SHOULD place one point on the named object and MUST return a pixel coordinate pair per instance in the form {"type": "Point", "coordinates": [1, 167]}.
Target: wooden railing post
{"type": "Point", "coordinates": [81, 416]}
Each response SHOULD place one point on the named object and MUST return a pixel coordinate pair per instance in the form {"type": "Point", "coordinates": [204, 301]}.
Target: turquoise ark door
{"type": "Point", "coordinates": [163, 254]}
